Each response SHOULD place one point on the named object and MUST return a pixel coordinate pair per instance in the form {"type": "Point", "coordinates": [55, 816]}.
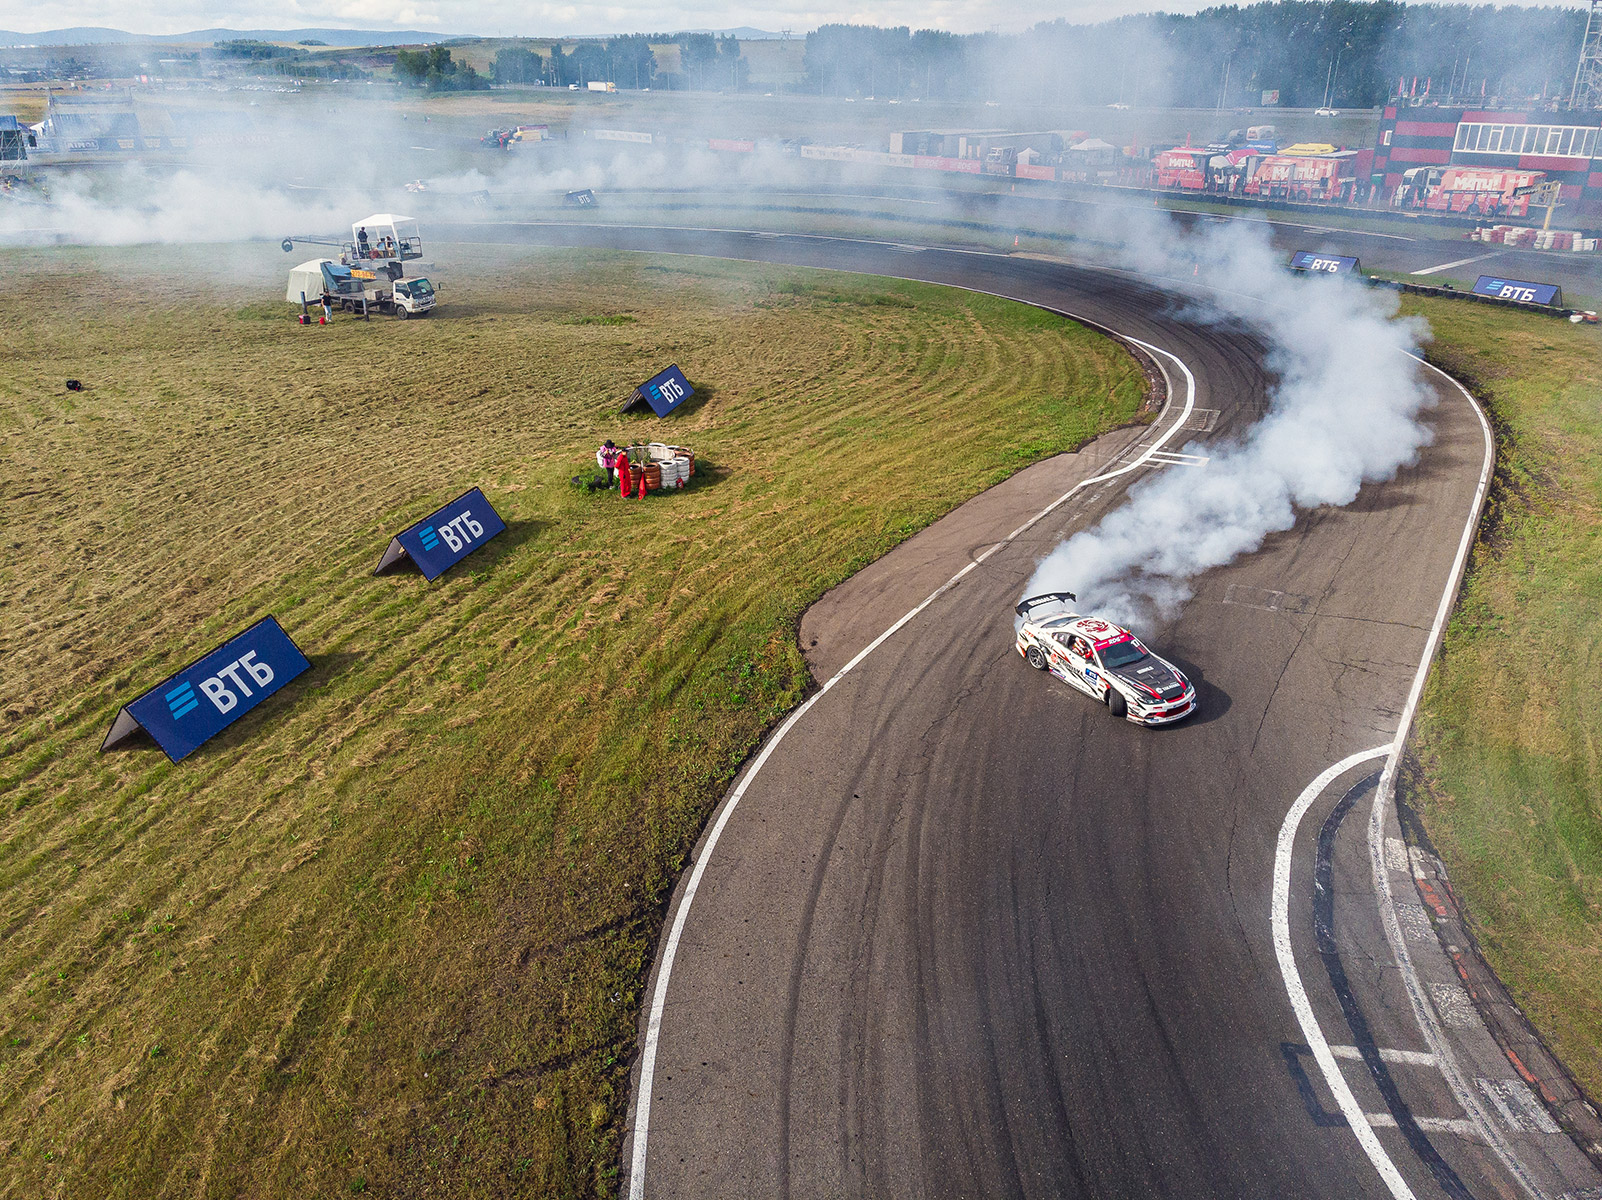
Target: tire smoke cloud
{"type": "Point", "coordinates": [1343, 411]}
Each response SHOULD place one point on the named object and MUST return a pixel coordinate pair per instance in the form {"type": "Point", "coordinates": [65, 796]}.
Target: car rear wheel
{"type": "Point", "coordinates": [1116, 703]}
{"type": "Point", "coordinates": [1036, 657]}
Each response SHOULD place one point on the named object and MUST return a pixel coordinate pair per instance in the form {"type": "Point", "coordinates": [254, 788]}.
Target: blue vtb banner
{"type": "Point", "coordinates": [1520, 290]}
{"type": "Point", "coordinates": [1334, 264]}
{"type": "Point", "coordinates": [188, 709]}
{"type": "Point", "coordinates": [442, 539]}
{"type": "Point", "coordinates": [666, 391]}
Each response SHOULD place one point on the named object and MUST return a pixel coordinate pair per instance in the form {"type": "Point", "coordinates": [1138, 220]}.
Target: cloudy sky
{"type": "Point", "coordinates": [517, 17]}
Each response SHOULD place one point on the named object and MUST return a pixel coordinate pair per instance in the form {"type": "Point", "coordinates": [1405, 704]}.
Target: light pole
{"type": "Point", "coordinates": [1329, 79]}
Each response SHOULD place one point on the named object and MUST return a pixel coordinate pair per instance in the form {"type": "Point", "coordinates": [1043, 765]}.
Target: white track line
{"type": "Point", "coordinates": [1460, 1126]}
{"type": "Point", "coordinates": [1362, 1127]}
{"type": "Point", "coordinates": [1434, 1035]}
{"type": "Point", "coordinates": [1412, 1058]}
{"type": "Point", "coordinates": [653, 1029]}
{"type": "Point", "coordinates": [1423, 1010]}
{"type": "Point", "coordinates": [1462, 262]}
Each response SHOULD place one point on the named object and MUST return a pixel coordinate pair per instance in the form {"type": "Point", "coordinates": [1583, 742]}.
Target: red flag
{"type": "Point", "coordinates": [1427, 83]}
{"type": "Point", "coordinates": [1414, 92]}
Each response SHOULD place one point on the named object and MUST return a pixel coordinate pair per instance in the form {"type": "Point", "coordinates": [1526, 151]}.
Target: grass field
{"type": "Point", "coordinates": [1510, 735]}
{"type": "Point", "coordinates": [388, 933]}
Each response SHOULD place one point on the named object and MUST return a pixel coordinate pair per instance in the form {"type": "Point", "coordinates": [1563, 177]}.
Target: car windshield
{"type": "Point", "coordinates": [1122, 654]}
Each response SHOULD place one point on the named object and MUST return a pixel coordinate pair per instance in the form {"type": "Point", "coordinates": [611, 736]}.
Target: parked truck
{"type": "Point", "coordinates": [603, 87]}
{"type": "Point", "coordinates": [1184, 167]}
{"type": "Point", "coordinates": [1484, 191]}
{"type": "Point", "coordinates": [1330, 177]}
{"type": "Point", "coordinates": [369, 275]}
{"type": "Point", "coordinates": [401, 298]}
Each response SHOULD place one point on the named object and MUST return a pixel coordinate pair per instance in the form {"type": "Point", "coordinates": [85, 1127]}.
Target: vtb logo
{"type": "Point", "coordinates": [669, 390]}
{"type": "Point", "coordinates": [1504, 290]}
{"type": "Point", "coordinates": [181, 701]}
{"type": "Point", "coordinates": [456, 533]}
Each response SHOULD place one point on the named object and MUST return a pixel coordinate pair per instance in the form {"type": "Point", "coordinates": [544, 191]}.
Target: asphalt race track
{"type": "Point", "coordinates": [964, 934]}
{"type": "Point", "coordinates": [1404, 250]}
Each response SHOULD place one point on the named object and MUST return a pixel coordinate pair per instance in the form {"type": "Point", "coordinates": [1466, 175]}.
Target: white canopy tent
{"type": "Point", "coordinates": [311, 279]}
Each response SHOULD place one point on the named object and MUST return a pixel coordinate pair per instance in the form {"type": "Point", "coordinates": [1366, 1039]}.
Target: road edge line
{"type": "Point", "coordinates": [1356, 1118]}
{"type": "Point", "coordinates": [1385, 800]}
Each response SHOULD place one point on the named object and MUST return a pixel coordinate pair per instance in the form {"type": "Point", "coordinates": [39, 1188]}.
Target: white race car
{"type": "Point", "coordinates": [1104, 660]}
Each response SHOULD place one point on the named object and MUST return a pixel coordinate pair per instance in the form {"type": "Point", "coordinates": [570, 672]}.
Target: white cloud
{"type": "Point", "coordinates": [514, 18]}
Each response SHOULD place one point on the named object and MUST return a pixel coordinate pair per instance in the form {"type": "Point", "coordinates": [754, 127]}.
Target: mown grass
{"type": "Point", "coordinates": [389, 932]}
{"type": "Point", "coordinates": [1509, 735]}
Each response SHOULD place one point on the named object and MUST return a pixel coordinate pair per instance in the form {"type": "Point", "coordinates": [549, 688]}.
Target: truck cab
{"type": "Point", "coordinates": [413, 297]}
{"type": "Point", "coordinates": [401, 297]}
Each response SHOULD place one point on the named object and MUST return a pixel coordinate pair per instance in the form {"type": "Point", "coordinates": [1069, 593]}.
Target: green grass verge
{"type": "Point", "coordinates": [1572, 297]}
{"type": "Point", "coordinates": [390, 932]}
{"type": "Point", "coordinates": [1509, 734]}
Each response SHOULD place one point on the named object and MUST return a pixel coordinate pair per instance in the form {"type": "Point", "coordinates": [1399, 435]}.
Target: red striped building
{"type": "Point", "coordinates": [1567, 146]}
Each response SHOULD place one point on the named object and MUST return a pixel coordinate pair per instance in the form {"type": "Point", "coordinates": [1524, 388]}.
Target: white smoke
{"type": "Point", "coordinates": [134, 204]}
{"type": "Point", "coordinates": [1343, 412]}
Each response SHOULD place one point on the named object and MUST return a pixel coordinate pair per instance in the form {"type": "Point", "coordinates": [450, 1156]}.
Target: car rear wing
{"type": "Point", "coordinates": [1026, 606]}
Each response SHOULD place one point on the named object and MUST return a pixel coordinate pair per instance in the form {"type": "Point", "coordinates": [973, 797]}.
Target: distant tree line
{"type": "Point", "coordinates": [247, 48]}
{"type": "Point", "coordinates": [435, 70]}
{"type": "Point", "coordinates": [705, 62]}
{"type": "Point", "coordinates": [285, 60]}
{"type": "Point", "coordinates": [1354, 52]}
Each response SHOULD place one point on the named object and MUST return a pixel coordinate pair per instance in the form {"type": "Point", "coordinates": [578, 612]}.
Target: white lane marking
{"type": "Point", "coordinates": [1462, 262]}
{"type": "Point", "coordinates": [1517, 1105]}
{"type": "Point", "coordinates": [1360, 1124]}
{"type": "Point", "coordinates": [1411, 1058]}
{"type": "Point", "coordinates": [653, 1029]}
{"type": "Point", "coordinates": [1415, 922]}
{"type": "Point", "coordinates": [1174, 459]}
{"type": "Point", "coordinates": [1396, 856]}
{"type": "Point", "coordinates": [1453, 1005]}
{"type": "Point", "coordinates": [1458, 1125]}
{"type": "Point", "coordinates": [1423, 1012]}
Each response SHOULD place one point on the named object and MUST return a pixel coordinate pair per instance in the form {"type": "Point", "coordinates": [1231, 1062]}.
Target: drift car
{"type": "Point", "coordinates": [1104, 660]}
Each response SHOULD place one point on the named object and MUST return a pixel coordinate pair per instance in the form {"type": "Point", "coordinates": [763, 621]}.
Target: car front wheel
{"type": "Point", "coordinates": [1036, 657]}
{"type": "Point", "coordinates": [1116, 703]}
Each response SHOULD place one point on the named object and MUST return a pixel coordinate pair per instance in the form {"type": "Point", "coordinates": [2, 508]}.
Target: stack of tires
{"type": "Point", "coordinates": [664, 466]}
